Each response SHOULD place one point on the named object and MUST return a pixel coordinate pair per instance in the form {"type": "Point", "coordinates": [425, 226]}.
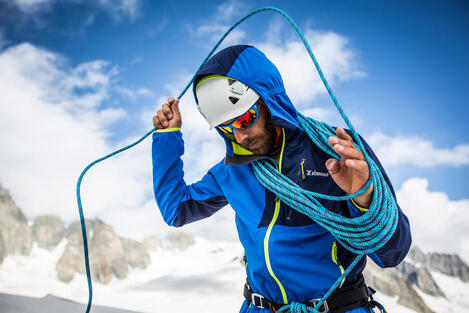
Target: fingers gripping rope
{"type": "Point", "coordinates": [360, 235]}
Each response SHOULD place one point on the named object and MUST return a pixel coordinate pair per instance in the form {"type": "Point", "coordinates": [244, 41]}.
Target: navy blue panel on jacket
{"type": "Point", "coordinates": [289, 256]}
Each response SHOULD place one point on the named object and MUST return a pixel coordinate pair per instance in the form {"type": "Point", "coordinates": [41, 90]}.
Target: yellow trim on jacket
{"type": "Point", "coordinates": [359, 207]}
{"type": "Point", "coordinates": [167, 130]}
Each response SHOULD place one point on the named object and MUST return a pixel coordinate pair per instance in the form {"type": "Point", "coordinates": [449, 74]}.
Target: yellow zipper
{"type": "Point", "coordinates": [303, 177]}
{"type": "Point", "coordinates": [269, 230]}
{"type": "Point", "coordinates": [335, 259]}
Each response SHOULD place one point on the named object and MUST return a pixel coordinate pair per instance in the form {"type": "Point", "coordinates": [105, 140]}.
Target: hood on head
{"type": "Point", "coordinates": [250, 66]}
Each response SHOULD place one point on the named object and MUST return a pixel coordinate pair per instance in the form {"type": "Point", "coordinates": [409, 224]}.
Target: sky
{"type": "Point", "coordinates": [81, 78]}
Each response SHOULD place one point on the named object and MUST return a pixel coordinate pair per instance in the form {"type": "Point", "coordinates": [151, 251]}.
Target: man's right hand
{"type": "Point", "coordinates": [169, 115]}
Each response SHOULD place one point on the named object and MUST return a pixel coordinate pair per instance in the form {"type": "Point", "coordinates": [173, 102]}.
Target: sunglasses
{"type": "Point", "coordinates": [243, 122]}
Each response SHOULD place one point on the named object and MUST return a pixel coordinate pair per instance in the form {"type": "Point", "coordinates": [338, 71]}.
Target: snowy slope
{"type": "Point", "coordinates": [456, 291]}
{"type": "Point", "coordinates": [206, 277]}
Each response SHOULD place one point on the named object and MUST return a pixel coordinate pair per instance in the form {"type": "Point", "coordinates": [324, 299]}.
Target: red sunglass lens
{"type": "Point", "coordinates": [245, 120]}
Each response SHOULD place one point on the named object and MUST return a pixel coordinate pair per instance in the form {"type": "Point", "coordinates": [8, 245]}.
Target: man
{"type": "Point", "coordinates": [289, 257]}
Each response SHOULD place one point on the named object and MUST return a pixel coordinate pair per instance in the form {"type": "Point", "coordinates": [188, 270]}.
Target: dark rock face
{"type": "Point", "coordinates": [14, 227]}
{"type": "Point", "coordinates": [449, 264]}
{"type": "Point", "coordinates": [417, 255]}
{"type": "Point", "coordinates": [109, 254]}
{"type": "Point", "coordinates": [390, 282]}
{"type": "Point", "coordinates": [107, 250]}
{"type": "Point", "coordinates": [75, 227]}
{"type": "Point", "coordinates": [415, 270]}
{"type": "Point", "coordinates": [48, 231]}
{"type": "Point", "coordinates": [106, 254]}
{"type": "Point", "coordinates": [71, 260]}
{"type": "Point", "coordinates": [420, 277]}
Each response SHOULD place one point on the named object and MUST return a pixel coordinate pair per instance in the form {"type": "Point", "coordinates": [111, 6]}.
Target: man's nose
{"type": "Point", "coordinates": [240, 135]}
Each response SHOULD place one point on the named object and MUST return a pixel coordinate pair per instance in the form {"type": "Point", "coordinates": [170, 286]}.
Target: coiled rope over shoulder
{"type": "Point", "coordinates": [360, 235]}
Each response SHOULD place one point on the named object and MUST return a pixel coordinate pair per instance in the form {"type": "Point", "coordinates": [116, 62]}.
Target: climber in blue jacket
{"type": "Point", "coordinates": [288, 256]}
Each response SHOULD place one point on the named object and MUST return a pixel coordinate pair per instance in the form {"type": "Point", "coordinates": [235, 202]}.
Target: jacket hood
{"type": "Point", "coordinates": [250, 66]}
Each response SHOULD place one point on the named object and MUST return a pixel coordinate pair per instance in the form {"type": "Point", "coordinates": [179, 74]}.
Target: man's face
{"type": "Point", "coordinates": [260, 137]}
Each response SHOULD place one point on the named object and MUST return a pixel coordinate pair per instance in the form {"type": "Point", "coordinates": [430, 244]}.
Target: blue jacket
{"type": "Point", "coordinates": [289, 256]}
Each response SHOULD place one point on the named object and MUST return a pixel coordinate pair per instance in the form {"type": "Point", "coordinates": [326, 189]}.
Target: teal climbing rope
{"type": "Point", "coordinates": [361, 235]}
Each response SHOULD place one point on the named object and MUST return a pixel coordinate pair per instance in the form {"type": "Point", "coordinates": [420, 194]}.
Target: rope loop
{"type": "Point", "coordinates": [361, 235]}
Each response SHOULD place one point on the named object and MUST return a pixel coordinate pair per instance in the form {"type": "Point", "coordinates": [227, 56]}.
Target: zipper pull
{"type": "Point", "coordinates": [303, 176]}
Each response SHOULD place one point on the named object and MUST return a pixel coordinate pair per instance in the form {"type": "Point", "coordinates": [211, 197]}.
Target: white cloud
{"type": "Point", "coordinates": [133, 94]}
{"type": "Point", "coordinates": [219, 22]}
{"type": "Point", "coordinates": [437, 223]}
{"type": "Point", "coordinates": [117, 9]}
{"type": "Point", "coordinates": [136, 60]}
{"type": "Point", "coordinates": [52, 124]}
{"type": "Point", "coordinates": [417, 151]}
{"type": "Point", "coordinates": [32, 6]}
{"type": "Point", "coordinates": [336, 56]}
{"type": "Point", "coordinates": [144, 92]}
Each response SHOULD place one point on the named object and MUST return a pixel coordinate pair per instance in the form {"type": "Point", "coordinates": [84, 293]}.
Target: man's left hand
{"type": "Point", "coordinates": [351, 172]}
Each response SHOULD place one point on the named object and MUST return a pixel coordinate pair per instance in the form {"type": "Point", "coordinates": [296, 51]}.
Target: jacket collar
{"type": "Point", "coordinates": [293, 138]}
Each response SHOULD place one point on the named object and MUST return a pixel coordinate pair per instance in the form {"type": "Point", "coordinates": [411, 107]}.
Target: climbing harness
{"type": "Point", "coordinates": [342, 300]}
{"type": "Point", "coordinates": [361, 235]}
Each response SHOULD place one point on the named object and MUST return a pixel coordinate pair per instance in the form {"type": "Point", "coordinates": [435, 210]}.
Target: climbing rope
{"type": "Point", "coordinates": [361, 235]}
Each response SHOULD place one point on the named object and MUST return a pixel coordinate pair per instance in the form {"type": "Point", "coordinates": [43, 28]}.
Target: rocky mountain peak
{"type": "Point", "coordinates": [448, 264]}
{"type": "Point", "coordinates": [15, 232]}
{"type": "Point", "coordinates": [110, 255]}
{"type": "Point", "coordinates": [48, 231]}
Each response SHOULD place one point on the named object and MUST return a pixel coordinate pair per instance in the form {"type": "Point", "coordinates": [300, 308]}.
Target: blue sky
{"type": "Point", "coordinates": [399, 69]}
{"type": "Point", "coordinates": [414, 54]}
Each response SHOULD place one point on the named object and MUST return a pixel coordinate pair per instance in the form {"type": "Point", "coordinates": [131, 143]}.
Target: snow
{"type": "Point", "coordinates": [390, 303]}
{"type": "Point", "coordinates": [456, 291]}
{"type": "Point", "coordinates": [206, 277]}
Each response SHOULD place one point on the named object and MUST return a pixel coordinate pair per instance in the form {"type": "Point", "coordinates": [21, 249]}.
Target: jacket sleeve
{"type": "Point", "coordinates": [395, 250]}
{"type": "Point", "coordinates": [178, 202]}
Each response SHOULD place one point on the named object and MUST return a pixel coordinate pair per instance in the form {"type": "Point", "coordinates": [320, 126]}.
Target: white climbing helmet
{"type": "Point", "coordinates": [222, 98]}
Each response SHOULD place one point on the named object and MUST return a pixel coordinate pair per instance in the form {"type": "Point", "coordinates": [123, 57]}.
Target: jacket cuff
{"type": "Point", "coordinates": [167, 130]}
{"type": "Point", "coordinates": [359, 207]}
{"type": "Point", "coordinates": [354, 209]}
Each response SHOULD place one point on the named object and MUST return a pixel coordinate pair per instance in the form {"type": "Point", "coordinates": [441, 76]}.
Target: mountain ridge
{"type": "Point", "coordinates": [112, 256]}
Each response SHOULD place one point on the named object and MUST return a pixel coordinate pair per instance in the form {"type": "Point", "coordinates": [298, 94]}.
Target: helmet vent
{"type": "Point", "coordinates": [231, 82]}
{"type": "Point", "coordinates": [233, 100]}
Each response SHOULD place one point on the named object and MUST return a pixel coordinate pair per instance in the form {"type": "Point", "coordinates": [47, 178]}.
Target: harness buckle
{"type": "Point", "coordinates": [324, 308]}
{"type": "Point", "coordinates": [256, 300]}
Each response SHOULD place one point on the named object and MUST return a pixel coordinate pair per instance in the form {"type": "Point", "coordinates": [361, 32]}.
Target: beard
{"type": "Point", "coordinates": [263, 143]}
